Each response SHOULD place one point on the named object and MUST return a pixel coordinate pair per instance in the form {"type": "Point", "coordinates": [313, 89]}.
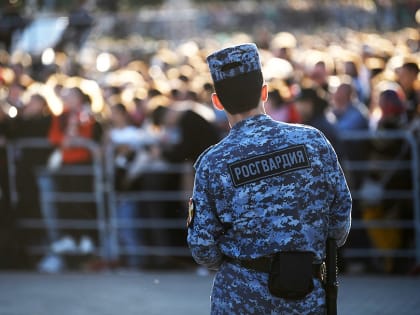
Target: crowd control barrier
{"type": "Point", "coordinates": [149, 224]}
{"type": "Point", "coordinates": [398, 163]}
{"type": "Point", "coordinates": [106, 198]}
{"type": "Point", "coordinates": [48, 193]}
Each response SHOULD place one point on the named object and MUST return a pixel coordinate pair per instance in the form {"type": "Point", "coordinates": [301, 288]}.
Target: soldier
{"type": "Point", "coordinates": [268, 192]}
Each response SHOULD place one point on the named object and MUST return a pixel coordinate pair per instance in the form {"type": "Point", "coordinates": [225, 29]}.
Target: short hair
{"type": "Point", "coordinates": [241, 93]}
{"type": "Point", "coordinates": [412, 67]}
{"type": "Point", "coordinates": [158, 115]}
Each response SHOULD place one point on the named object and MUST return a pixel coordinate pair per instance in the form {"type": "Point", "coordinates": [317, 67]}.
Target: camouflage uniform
{"type": "Point", "coordinates": [267, 187]}
{"type": "Point", "coordinates": [294, 210]}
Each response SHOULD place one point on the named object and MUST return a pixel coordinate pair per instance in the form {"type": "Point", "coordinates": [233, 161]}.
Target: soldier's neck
{"type": "Point", "coordinates": [235, 118]}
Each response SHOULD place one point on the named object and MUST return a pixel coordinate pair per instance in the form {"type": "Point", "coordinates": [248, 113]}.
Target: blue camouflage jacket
{"type": "Point", "coordinates": [266, 187]}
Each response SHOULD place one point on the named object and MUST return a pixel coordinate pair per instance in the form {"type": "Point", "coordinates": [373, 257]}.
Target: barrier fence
{"type": "Point", "coordinates": [398, 163]}
{"type": "Point", "coordinates": [49, 196]}
{"type": "Point", "coordinates": [115, 197]}
{"type": "Point", "coordinates": [106, 198]}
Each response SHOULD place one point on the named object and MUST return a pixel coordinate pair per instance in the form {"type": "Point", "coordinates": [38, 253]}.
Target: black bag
{"type": "Point", "coordinates": [291, 275]}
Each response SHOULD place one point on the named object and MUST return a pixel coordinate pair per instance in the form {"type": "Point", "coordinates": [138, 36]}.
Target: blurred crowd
{"type": "Point", "coordinates": [154, 108]}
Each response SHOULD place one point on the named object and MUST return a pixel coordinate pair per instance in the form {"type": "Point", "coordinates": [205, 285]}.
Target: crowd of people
{"type": "Point", "coordinates": [155, 108]}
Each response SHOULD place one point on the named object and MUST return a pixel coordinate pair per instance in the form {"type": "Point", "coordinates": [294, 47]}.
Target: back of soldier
{"type": "Point", "coordinates": [254, 176]}
{"type": "Point", "coordinates": [271, 185]}
{"type": "Point", "coordinates": [267, 190]}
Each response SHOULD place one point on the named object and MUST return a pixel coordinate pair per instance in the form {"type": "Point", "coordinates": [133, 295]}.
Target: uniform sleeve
{"type": "Point", "coordinates": [205, 227]}
{"type": "Point", "coordinates": [340, 208]}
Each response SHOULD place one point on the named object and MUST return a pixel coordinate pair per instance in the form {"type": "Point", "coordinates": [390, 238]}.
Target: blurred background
{"type": "Point", "coordinates": [105, 105]}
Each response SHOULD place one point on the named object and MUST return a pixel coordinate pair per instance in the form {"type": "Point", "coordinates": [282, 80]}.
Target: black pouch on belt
{"type": "Point", "coordinates": [291, 275]}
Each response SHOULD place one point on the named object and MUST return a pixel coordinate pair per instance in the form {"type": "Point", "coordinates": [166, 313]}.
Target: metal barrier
{"type": "Point", "coordinates": [94, 169]}
{"type": "Point", "coordinates": [13, 152]}
{"type": "Point", "coordinates": [413, 194]}
{"type": "Point", "coordinates": [115, 197]}
{"type": "Point", "coordinates": [109, 226]}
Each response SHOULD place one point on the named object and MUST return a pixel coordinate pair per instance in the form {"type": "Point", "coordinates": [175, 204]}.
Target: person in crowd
{"type": "Point", "coordinates": [376, 206]}
{"type": "Point", "coordinates": [280, 104]}
{"type": "Point", "coordinates": [312, 109]}
{"type": "Point", "coordinates": [11, 105]}
{"type": "Point", "coordinates": [128, 141]}
{"type": "Point", "coordinates": [74, 126]}
{"type": "Point", "coordinates": [190, 133]}
{"type": "Point", "coordinates": [186, 132]}
{"type": "Point", "coordinates": [70, 133]}
{"type": "Point", "coordinates": [282, 45]}
{"type": "Point", "coordinates": [350, 115]}
{"type": "Point", "coordinates": [319, 75]}
{"type": "Point", "coordinates": [407, 77]}
{"type": "Point", "coordinates": [34, 119]}
{"type": "Point", "coordinates": [351, 69]}
{"type": "Point", "coordinates": [31, 124]}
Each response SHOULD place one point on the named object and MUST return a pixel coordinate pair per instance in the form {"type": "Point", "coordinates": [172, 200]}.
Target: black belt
{"type": "Point", "coordinates": [263, 264]}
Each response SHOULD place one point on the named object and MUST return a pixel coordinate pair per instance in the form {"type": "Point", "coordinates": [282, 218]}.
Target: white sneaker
{"type": "Point", "coordinates": [64, 245]}
{"type": "Point", "coordinates": [86, 245]}
{"type": "Point", "coordinates": [51, 264]}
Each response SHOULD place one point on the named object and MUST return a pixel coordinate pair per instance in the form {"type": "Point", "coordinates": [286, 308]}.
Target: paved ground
{"type": "Point", "coordinates": [150, 293]}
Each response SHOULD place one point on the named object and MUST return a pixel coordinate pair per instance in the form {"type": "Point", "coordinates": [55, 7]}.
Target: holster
{"type": "Point", "coordinates": [291, 275]}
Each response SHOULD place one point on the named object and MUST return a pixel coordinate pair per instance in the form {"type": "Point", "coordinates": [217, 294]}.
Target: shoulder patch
{"type": "Point", "coordinates": [191, 212]}
{"type": "Point", "coordinates": [267, 165]}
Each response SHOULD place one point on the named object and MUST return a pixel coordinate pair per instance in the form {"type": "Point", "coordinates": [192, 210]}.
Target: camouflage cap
{"type": "Point", "coordinates": [233, 61]}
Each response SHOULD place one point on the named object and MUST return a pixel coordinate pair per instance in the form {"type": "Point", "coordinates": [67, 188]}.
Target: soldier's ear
{"type": "Point", "coordinates": [264, 93]}
{"type": "Point", "coordinates": [216, 102]}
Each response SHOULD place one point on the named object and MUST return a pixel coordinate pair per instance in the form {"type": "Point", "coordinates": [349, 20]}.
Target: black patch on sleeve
{"type": "Point", "coordinates": [267, 165]}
